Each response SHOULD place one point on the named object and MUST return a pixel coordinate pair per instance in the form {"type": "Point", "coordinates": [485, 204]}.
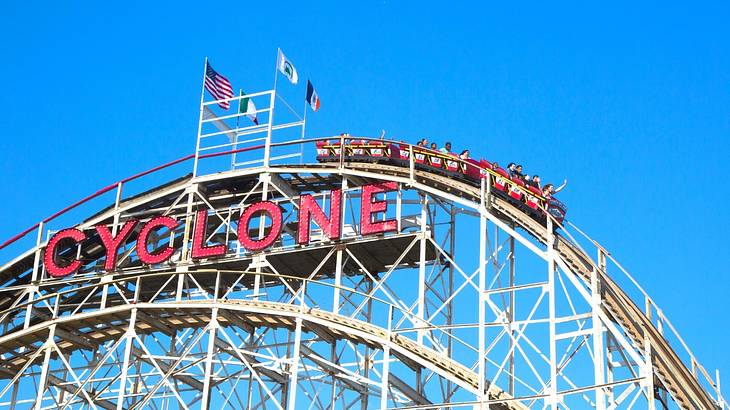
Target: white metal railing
{"type": "Point", "coordinates": [213, 126]}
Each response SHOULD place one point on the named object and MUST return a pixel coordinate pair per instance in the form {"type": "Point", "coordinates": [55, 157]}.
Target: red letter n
{"type": "Point", "coordinates": [309, 208]}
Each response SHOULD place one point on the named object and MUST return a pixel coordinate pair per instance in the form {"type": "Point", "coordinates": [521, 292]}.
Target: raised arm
{"type": "Point", "coordinates": [558, 189]}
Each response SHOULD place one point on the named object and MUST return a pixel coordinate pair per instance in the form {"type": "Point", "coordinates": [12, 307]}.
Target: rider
{"type": "Point", "coordinates": [549, 189]}
{"type": "Point", "coordinates": [535, 182]}
{"type": "Point", "coordinates": [518, 172]}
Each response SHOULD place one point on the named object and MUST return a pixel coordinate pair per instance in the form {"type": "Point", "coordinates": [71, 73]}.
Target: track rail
{"type": "Point", "coordinates": [251, 313]}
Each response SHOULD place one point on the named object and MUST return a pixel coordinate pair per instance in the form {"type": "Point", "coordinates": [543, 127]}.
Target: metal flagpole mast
{"type": "Point", "coordinates": [200, 120]}
{"type": "Point", "coordinates": [267, 147]}
{"type": "Point", "coordinates": [304, 125]}
{"type": "Point", "coordinates": [235, 134]}
{"type": "Point", "coordinates": [276, 67]}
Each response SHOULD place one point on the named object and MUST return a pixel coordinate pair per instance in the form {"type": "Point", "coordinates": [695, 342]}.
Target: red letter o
{"type": "Point", "coordinates": [257, 244]}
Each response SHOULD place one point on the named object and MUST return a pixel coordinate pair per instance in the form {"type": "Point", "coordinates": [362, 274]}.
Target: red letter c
{"type": "Point", "coordinates": [49, 258]}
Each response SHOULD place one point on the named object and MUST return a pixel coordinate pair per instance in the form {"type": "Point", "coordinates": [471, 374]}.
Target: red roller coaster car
{"type": "Point", "coordinates": [528, 198]}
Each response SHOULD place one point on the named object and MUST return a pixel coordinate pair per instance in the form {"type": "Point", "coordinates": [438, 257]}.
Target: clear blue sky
{"type": "Point", "coordinates": [630, 103]}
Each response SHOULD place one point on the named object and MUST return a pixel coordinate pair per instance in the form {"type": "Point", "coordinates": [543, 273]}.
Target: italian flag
{"type": "Point", "coordinates": [247, 108]}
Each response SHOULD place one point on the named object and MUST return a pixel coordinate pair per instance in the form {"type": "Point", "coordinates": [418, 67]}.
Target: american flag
{"type": "Point", "coordinates": [218, 86]}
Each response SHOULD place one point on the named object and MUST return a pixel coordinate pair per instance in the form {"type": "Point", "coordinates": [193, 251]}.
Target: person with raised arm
{"type": "Point", "coordinates": [549, 190]}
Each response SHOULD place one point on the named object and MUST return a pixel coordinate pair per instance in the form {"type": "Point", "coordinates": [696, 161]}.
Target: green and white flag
{"type": "Point", "coordinates": [287, 68]}
{"type": "Point", "coordinates": [245, 106]}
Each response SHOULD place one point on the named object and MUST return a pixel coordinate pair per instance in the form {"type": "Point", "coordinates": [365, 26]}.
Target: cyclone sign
{"type": "Point", "coordinates": [331, 227]}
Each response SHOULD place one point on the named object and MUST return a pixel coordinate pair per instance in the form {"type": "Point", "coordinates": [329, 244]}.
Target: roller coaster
{"type": "Point", "coordinates": [331, 283]}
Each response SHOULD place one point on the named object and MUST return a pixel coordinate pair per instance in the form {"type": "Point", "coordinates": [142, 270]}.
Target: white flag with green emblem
{"type": "Point", "coordinates": [287, 68]}
{"type": "Point", "coordinates": [247, 108]}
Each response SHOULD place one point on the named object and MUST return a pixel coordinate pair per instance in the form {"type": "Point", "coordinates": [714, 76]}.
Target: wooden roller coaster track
{"type": "Point", "coordinates": [669, 370]}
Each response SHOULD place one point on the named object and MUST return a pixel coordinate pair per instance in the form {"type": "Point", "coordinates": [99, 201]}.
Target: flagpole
{"type": "Point", "coordinates": [304, 125]}
{"type": "Point", "coordinates": [276, 67]}
{"type": "Point", "coordinates": [200, 120]}
{"type": "Point", "coordinates": [235, 134]}
{"type": "Point", "coordinates": [267, 146]}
